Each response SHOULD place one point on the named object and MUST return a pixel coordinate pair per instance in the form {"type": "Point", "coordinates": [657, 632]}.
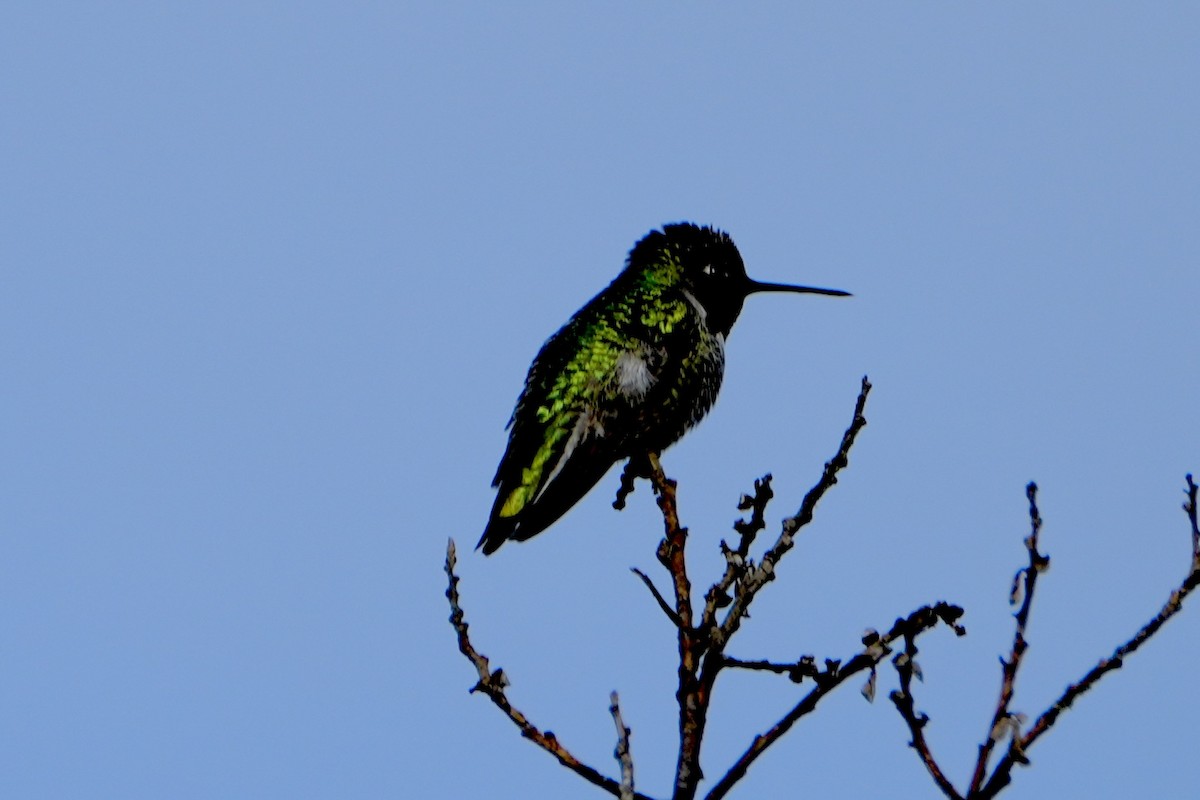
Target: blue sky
{"type": "Point", "coordinates": [274, 273]}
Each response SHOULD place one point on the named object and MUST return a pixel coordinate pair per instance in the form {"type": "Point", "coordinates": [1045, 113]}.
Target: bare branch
{"type": "Point", "coordinates": [492, 683]}
{"type": "Point", "coordinates": [834, 675]}
{"type": "Point", "coordinates": [701, 649]}
{"type": "Point", "coordinates": [764, 573]}
{"type": "Point", "coordinates": [693, 706]}
{"type": "Point", "coordinates": [702, 646]}
{"type": "Point", "coordinates": [1005, 723]}
{"type": "Point", "coordinates": [622, 754]}
{"type": "Point", "coordinates": [1019, 745]}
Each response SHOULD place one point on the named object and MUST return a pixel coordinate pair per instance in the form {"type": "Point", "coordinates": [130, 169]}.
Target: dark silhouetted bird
{"type": "Point", "coordinates": [628, 375]}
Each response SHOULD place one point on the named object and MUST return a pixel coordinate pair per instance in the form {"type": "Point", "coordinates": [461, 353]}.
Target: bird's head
{"type": "Point", "coordinates": [706, 265]}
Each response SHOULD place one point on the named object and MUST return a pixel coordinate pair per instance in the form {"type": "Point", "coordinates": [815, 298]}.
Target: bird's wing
{"type": "Point", "coordinates": [558, 448]}
{"type": "Point", "coordinates": [556, 414]}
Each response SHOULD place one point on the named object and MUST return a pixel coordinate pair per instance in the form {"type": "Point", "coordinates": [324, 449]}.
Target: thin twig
{"type": "Point", "coordinates": [756, 504]}
{"type": "Point", "coordinates": [622, 753]}
{"type": "Point", "coordinates": [1023, 588]}
{"type": "Point", "coordinates": [1189, 508]}
{"type": "Point", "coordinates": [492, 683]}
{"type": "Point", "coordinates": [662, 602]}
{"type": "Point", "coordinates": [906, 667]}
{"type": "Point", "coordinates": [797, 671]}
{"type": "Point", "coordinates": [737, 559]}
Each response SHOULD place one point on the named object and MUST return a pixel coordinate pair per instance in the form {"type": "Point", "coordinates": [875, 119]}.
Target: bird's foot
{"type": "Point", "coordinates": [638, 466]}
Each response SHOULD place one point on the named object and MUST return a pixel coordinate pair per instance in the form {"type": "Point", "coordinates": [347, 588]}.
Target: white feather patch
{"type": "Point", "coordinates": [634, 378]}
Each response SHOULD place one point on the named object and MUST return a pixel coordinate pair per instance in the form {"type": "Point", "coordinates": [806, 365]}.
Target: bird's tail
{"type": "Point", "coordinates": [498, 531]}
{"type": "Point", "coordinates": [575, 479]}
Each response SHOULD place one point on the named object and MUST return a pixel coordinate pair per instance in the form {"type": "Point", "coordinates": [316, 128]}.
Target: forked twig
{"type": "Point", "coordinates": [877, 647]}
{"type": "Point", "coordinates": [492, 683]}
{"type": "Point", "coordinates": [1004, 723]}
{"type": "Point", "coordinates": [754, 578]}
{"type": "Point", "coordinates": [1019, 744]}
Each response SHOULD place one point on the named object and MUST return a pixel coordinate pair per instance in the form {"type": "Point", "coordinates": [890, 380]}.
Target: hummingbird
{"type": "Point", "coordinates": [629, 374]}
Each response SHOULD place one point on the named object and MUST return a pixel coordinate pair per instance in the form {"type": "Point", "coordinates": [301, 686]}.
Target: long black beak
{"type": "Point", "coordinates": [753, 286]}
